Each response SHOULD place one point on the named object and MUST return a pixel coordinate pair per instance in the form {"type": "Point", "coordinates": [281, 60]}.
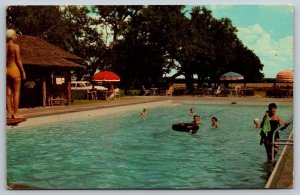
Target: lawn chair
{"type": "Point", "coordinates": [145, 91]}
{"type": "Point", "coordinates": [170, 91]}
{"type": "Point", "coordinates": [56, 101]}
{"type": "Point", "coordinates": [218, 91]}
{"type": "Point", "coordinates": [237, 91]}
{"type": "Point", "coordinates": [115, 94]}
{"type": "Point", "coordinates": [92, 95]}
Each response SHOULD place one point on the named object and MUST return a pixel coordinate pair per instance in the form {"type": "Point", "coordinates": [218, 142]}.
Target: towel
{"type": "Point", "coordinates": [266, 125]}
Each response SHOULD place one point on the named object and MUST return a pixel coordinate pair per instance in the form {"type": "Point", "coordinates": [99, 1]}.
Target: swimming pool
{"type": "Point", "coordinates": [126, 151]}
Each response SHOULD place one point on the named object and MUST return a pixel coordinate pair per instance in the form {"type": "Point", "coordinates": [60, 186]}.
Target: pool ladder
{"type": "Point", "coordinates": [289, 142]}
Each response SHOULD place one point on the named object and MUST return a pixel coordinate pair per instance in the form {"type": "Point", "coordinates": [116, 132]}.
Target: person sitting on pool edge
{"type": "Point", "coordinates": [214, 122]}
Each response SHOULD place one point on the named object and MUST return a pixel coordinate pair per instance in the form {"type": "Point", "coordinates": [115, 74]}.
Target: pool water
{"type": "Point", "coordinates": [126, 151]}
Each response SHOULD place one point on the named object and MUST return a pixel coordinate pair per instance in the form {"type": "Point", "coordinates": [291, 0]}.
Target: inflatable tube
{"type": "Point", "coordinates": [185, 127]}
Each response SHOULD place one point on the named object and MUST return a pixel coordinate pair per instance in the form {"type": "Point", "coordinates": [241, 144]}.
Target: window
{"type": "Point", "coordinates": [60, 80]}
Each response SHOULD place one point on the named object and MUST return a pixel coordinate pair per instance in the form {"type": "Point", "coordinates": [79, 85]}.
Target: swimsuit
{"type": "Point", "coordinates": [274, 125]}
{"type": "Point", "coordinates": [269, 138]}
{"type": "Point", "coordinates": [12, 71]}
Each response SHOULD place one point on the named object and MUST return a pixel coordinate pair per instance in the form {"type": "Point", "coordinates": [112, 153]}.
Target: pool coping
{"type": "Point", "coordinates": [53, 110]}
{"type": "Point", "coordinates": [275, 177]}
{"type": "Point", "coordinates": [73, 115]}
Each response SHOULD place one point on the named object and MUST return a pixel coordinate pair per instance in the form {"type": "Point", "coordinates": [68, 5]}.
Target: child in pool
{"type": "Point", "coordinates": [256, 122]}
{"type": "Point", "coordinates": [196, 121]}
{"type": "Point", "coordinates": [192, 112]}
{"type": "Point", "coordinates": [214, 122]}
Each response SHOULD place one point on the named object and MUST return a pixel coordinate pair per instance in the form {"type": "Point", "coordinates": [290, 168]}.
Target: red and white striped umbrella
{"type": "Point", "coordinates": [285, 76]}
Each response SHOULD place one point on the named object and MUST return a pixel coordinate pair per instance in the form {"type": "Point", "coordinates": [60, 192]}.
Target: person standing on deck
{"type": "Point", "coordinates": [14, 73]}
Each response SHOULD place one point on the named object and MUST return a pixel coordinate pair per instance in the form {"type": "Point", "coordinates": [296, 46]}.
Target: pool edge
{"type": "Point", "coordinates": [276, 175]}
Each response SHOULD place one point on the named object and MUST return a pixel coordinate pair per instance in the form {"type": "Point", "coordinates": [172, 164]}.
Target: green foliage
{"type": "Point", "coordinates": [147, 41]}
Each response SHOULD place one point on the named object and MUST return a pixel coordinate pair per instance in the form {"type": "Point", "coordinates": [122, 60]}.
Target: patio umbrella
{"type": "Point", "coordinates": [285, 76]}
{"type": "Point", "coordinates": [107, 76]}
{"type": "Point", "coordinates": [231, 76]}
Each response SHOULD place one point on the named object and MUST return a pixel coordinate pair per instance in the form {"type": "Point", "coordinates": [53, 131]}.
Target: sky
{"type": "Point", "coordinates": [267, 30]}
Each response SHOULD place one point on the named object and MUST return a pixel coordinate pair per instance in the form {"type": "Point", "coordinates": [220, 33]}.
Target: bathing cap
{"type": "Point", "coordinates": [256, 120]}
{"type": "Point", "coordinates": [10, 34]}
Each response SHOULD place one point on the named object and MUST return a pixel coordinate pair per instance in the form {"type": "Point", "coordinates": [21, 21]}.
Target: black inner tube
{"type": "Point", "coordinates": [185, 127]}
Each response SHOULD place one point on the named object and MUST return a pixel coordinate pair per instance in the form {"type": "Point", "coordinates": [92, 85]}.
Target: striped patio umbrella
{"type": "Point", "coordinates": [231, 76]}
{"type": "Point", "coordinates": [285, 76]}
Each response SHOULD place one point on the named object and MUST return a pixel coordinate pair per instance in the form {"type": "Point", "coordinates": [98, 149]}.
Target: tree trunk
{"type": "Point", "coordinates": [189, 81]}
{"type": "Point", "coordinates": [199, 81]}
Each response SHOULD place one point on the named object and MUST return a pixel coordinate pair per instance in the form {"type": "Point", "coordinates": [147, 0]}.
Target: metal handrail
{"type": "Point", "coordinates": [281, 143]}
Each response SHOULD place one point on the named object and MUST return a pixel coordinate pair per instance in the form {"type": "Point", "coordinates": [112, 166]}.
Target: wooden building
{"type": "Point", "coordinates": [50, 67]}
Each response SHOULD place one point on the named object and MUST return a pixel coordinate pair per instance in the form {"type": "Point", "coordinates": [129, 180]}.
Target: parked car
{"type": "Point", "coordinates": [85, 85]}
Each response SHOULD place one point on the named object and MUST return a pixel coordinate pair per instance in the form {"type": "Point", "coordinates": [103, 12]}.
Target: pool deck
{"type": "Point", "coordinates": [99, 104]}
{"type": "Point", "coordinates": [286, 176]}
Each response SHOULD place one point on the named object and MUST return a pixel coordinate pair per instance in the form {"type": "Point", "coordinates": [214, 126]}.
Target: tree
{"type": "Point", "coordinates": [116, 18]}
{"type": "Point", "coordinates": [147, 41]}
{"type": "Point", "coordinates": [145, 53]}
{"type": "Point", "coordinates": [84, 39]}
{"type": "Point", "coordinates": [216, 49]}
{"type": "Point", "coordinates": [34, 20]}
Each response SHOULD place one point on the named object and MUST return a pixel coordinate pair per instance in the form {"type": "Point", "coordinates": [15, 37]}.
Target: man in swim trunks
{"type": "Point", "coordinates": [14, 71]}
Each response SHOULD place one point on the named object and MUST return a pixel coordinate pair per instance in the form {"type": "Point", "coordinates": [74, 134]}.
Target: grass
{"type": "Point", "coordinates": [82, 102]}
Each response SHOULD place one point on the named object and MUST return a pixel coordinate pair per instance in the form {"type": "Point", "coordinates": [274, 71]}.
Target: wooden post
{"type": "Point", "coordinates": [44, 91]}
{"type": "Point", "coordinates": [67, 76]}
{"type": "Point", "coordinates": [69, 90]}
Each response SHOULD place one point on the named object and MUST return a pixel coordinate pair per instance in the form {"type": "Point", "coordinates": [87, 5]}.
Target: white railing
{"type": "Point", "coordinates": [281, 141]}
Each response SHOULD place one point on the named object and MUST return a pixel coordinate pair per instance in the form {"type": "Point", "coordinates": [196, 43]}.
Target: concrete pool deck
{"type": "Point", "coordinates": [285, 178]}
{"type": "Point", "coordinates": [99, 104]}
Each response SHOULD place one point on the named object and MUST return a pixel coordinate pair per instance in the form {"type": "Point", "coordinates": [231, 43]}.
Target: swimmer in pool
{"type": "Point", "coordinates": [196, 121]}
{"type": "Point", "coordinates": [214, 122]}
{"type": "Point", "coordinates": [144, 112]}
{"type": "Point", "coordinates": [14, 73]}
{"type": "Point", "coordinates": [256, 122]}
{"type": "Point", "coordinates": [192, 112]}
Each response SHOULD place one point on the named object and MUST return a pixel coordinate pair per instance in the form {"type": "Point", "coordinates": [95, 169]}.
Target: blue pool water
{"type": "Point", "coordinates": [126, 151]}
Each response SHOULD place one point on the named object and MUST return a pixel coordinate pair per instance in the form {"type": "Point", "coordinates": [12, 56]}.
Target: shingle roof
{"type": "Point", "coordinates": [35, 51]}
